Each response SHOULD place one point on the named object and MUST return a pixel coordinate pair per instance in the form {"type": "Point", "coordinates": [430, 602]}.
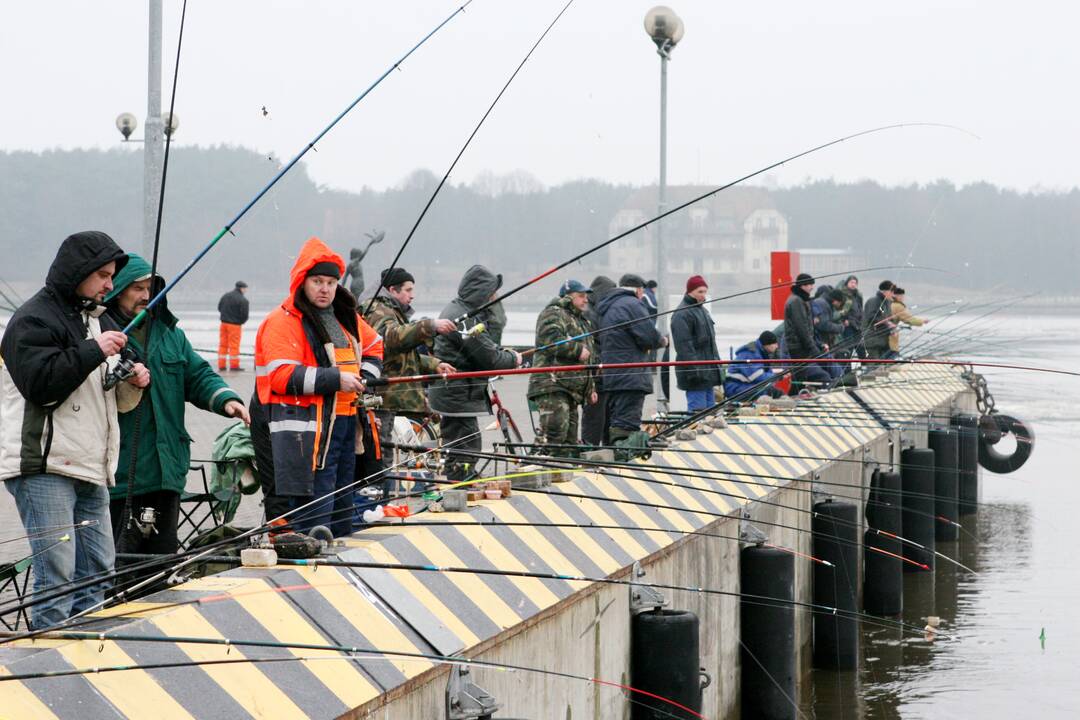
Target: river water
{"type": "Point", "coordinates": [1021, 544]}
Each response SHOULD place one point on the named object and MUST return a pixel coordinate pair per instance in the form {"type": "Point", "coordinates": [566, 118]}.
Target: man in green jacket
{"type": "Point", "coordinates": [558, 395]}
{"type": "Point", "coordinates": [145, 507]}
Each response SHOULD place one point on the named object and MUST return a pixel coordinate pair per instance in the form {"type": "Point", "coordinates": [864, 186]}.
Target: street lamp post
{"type": "Point", "coordinates": [152, 133]}
{"type": "Point", "coordinates": [665, 29]}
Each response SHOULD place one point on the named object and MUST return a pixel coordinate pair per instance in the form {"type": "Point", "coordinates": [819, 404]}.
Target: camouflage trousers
{"type": "Point", "coordinates": [558, 421]}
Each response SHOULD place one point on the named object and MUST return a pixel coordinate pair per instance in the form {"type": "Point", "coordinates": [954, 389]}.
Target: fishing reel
{"type": "Point", "coordinates": [369, 401]}
{"type": "Point", "coordinates": [146, 521]}
{"type": "Point", "coordinates": [124, 369]}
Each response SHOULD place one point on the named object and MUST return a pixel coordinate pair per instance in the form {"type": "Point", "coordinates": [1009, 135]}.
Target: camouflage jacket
{"type": "Point", "coordinates": [401, 340]}
{"type": "Point", "coordinates": [558, 321]}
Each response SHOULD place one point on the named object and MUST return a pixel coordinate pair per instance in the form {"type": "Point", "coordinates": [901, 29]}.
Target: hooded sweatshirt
{"type": "Point", "coordinates": [55, 415]}
{"type": "Point", "coordinates": [475, 349]}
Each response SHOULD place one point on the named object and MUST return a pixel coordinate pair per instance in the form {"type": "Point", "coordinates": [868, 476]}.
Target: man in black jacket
{"type": "Point", "coordinates": [878, 321]}
{"type": "Point", "coordinates": [233, 309]}
{"type": "Point", "coordinates": [59, 437]}
{"type": "Point", "coordinates": [627, 334]}
{"type": "Point", "coordinates": [594, 420]}
{"type": "Point", "coordinates": [695, 339]}
{"type": "Point", "coordinates": [799, 331]}
{"type": "Point", "coordinates": [461, 402]}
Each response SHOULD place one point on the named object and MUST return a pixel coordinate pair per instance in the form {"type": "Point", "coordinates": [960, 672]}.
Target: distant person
{"type": "Point", "coordinates": [877, 321]}
{"type": "Point", "coordinates": [233, 309]}
{"type": "Point", "coordinates": [164, 453]}
{"type": "Point", "coordinates": [799, 339]}
{"type": "Point", "coordinates": [594, 428]}
{"type": "Point", "coordinates": [461, 402]}
{"type": "Point", "coordinates": [649, 298]}
{"type": "Point", "coordinates": [627, 334]}
{"type": "Point", "coordinates": [314, 355]}
{"type": "Point", "coordinates": [748, 377]}
{"type": "Point", "coordinates": [851, 316]}
{"type": "Point", "coordinates": [901, 314]}
{"type": "Point", "coordinates": [59, 438]}
{"type": "Point", "coordinates": [694, 336]}
{"type": "Point", "coordinates": [559, 395]}
{"type": "Point", "coordinates": [828, 327]}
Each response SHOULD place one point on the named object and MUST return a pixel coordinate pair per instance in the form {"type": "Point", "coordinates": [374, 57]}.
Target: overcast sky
{"type": "Point", "coordinates": [750, 83]}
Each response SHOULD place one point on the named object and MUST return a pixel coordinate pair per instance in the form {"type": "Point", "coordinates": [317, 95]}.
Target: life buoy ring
{"type": "Point", "coordinates": [994, 427]}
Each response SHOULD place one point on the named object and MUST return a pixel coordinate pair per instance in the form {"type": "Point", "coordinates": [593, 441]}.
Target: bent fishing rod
{"type": "Point", "coordinates": [228, 228]}
{"type": "Point", "coordinates": [697, 199]}
{"type": "Point", "coordinates": [468, 141]}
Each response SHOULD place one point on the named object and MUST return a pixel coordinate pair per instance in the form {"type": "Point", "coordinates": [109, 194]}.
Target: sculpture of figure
{"type": "Point", "coordinates": [354, 272]}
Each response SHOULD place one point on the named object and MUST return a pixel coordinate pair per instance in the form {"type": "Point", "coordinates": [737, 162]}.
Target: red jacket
{"type": "Point", "coordinates": [295, 377]}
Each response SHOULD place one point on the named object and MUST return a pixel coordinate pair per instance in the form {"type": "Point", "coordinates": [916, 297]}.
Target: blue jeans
{"type": "Point", "coordinates": [47, 502]}
{"type": "Point", "coordinates": [337, 472]}
{"type": "Point", "coordinates": [700, 399]}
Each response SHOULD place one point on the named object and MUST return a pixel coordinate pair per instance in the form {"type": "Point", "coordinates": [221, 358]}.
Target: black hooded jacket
{"type": "Point", "coordinates": [799, 326]}
{"type": "Point", "coordinates": [469, 351]}
{"type": "Point", "coordinates": [45, 347]}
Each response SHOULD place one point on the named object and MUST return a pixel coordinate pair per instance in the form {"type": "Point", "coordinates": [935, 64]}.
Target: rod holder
{"type": "Point", "coordinates": [466, 700]}
{"type": "Point", "coordinates": [644, 597]}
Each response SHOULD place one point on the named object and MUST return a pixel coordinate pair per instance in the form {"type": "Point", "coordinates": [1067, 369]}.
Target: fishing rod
{"type": "Point", "coordinates": [692, 201]}
{"type": "Point", "coordinates": [446, 175]}
{"type": "Point", "coordinates": [603, 468]}
{"type": "Point", "coordinates": [653, 316]}
{"type": "Point", "coordinates": [46, 530]}
{"type": "Point", "coordinates": [191, 558]}
{"type": "Point", "coordinates": [141, 315]}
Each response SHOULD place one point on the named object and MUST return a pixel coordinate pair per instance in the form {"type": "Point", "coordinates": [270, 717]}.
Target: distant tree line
{"type": "Point", "coordinates": [988, 235]}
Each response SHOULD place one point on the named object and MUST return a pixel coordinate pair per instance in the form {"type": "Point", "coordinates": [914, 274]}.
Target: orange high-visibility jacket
{"type": "Point", "coordinates": [296, 380]}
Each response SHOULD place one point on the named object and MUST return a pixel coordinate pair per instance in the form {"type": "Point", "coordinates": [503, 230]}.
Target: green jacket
{"type": "Point", "coordinates": [177, 375]}
{"type": "Point", "coordinates": [401, 342]}
{"type": "Point", "coordinates": [558, 321]}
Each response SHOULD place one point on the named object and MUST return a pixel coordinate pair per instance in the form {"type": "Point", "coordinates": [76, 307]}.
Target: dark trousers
{"type": "Point", "coordinates": [808, 373]}
{"type": "Point", "coordinates": [624, 409]}
{"type": "Point", "coordinates": [594, 426]}
{"type": "Point", "coordinates": [453, 430]}
{"type": "Point", "coordinates": [337, 473]}
{"type": "Point", "coordinates": [163, 539]}
{"type": "Point", "coordinates": [274, 505]}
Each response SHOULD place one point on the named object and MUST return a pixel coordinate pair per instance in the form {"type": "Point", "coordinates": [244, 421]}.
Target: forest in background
{"type": "Point", "coordinates": [989, 236]}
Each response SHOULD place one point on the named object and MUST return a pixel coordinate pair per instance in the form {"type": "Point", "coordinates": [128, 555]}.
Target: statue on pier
{"type": "Point", "coordinates": [354, 272]}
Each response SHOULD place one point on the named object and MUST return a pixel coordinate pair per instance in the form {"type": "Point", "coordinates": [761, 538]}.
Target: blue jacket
{"type": "Point", "coordinates": [748, 372]}
{"type": "Point", "coordinates": [826, 331]}
{"type": "Point", "coordinates": [629, 343]}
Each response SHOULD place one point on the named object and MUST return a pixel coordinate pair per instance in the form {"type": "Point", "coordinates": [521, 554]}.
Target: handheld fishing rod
{"type": "Point", "coordinates": [697, 199]}
{"type": "Point", "coordinates": [446, 175]}
{"type": "Point", "coordinates": [284, 170]}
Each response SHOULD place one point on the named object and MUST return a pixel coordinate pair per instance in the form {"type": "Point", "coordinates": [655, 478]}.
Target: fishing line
{"type": "Point", "coordinates": [446, 175]}
{"type": "Point", "coordinates": [697, 199]}
{"type": "Point", "coordinates": [285, 169]}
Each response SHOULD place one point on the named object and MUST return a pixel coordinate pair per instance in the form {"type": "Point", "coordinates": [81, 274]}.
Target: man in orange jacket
{"type": "Point", "coordinates": [313, 356]}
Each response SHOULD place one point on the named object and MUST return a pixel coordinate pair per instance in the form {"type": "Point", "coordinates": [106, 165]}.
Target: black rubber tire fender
{"type": "Point", "coordinates": [1000, 463]}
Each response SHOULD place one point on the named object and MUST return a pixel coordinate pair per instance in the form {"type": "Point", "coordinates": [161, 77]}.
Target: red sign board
{"type": "Point", "coordinates": [785, 268]}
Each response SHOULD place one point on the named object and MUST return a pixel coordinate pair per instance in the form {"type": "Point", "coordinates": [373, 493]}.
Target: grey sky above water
{"type": "Point", "coordinates": [750, 84]}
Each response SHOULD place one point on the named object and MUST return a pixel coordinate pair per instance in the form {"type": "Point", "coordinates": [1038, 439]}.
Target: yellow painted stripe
{"type": "Point", "coordinates": [247, 685]}
{"type": "Point", "coordinates": [720, 503]}
{"type": "Point", "coordinates": [778, 468]}
{"type": "Point", "coordinates": [755, 465]}
{"type": "Point", "coordinates": [636, 514]}
{"type": "Point", "coordinates": [756, 438]}
{"type": "Point", "coordinates": [584, 541]}
{"type": "Point", "coordinates": [623, 538]}
{"type": "Point", "coordinates": [472, 586]}
{"type": "Point", "coordinates": [501, 557]}
{"type": "Point", "coordinates": [677, 486]}
{"type": "Point", "coordinates": [17, 701]}
{"type": "Point", "coordinates": [368, 620]}
{"type": "Point", "coordinates": [132, 692]}
{"type": "Point", "coordinates": [281, 619]}
{"type": "Point", "coordinates": [538, 543]}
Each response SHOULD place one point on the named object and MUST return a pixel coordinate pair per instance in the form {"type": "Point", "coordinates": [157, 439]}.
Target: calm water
{"type": "Point", "coordinates": [1023, 547]}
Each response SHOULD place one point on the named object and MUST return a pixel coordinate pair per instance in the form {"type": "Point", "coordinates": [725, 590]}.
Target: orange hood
{"type": "Point", "coordinates": [314, 252]}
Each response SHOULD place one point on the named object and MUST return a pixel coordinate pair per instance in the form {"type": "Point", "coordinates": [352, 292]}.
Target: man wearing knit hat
{"type": "Point", "coordinates": [695, 339]}
{"type": "Point", "coordinates": [799, 330]}
{"type": "Point", "coordinates": [749, 377]}
{"type": "Point", "coordinates": [390, 313]}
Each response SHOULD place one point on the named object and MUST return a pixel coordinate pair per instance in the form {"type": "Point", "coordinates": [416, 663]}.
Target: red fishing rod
{"type": "Point", "coordinates": [698, 199]}
{"type": "Point", "coordinates": [476, 374]}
